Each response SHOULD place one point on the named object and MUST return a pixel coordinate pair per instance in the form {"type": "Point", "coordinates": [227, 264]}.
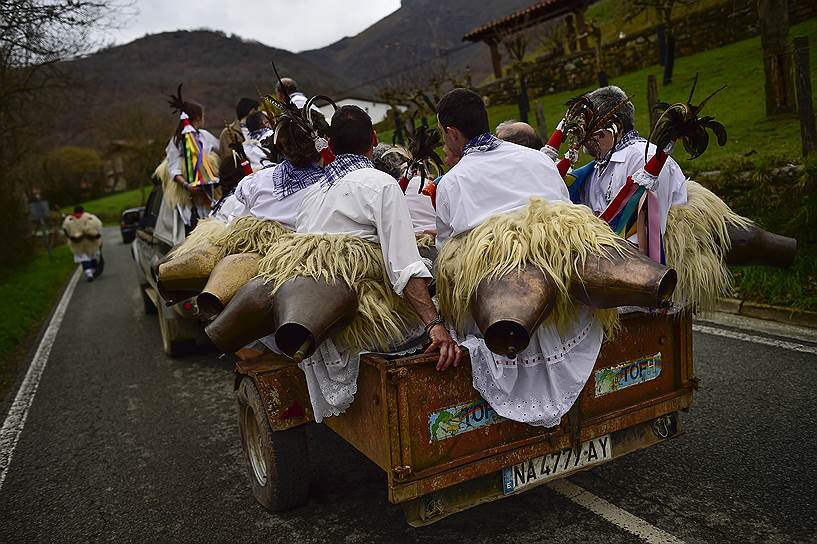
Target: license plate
{"type": "Point", "coordinates": [555, 465]}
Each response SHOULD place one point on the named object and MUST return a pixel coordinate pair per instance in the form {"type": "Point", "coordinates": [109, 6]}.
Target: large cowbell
{"type": "Point", "coordinates": [628, 278]}
{"type": "Point", "coordinates": [187, 273]}
{"type": "Point", "coordinates": [246, 318]}
{"type": "Point", "coordinates": [509, 308]}
{"type": "Point", "coordinates": [228, 276]}
{"type": "Point", "coordinates": [308, 311]}
{"type": "Point", "coordinates": [755, 246]}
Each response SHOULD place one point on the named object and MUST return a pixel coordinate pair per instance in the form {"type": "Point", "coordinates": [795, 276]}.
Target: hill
{"type": "Point", "coordinates": [407, 39]}
{"type": "Point", "coordinates": [216, 70]}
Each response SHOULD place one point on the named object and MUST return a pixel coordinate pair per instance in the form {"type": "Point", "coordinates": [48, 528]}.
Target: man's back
{"type": "Point", "coordinates": [485, 183]}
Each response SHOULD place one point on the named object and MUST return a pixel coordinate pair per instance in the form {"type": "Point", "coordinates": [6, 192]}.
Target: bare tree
{"type": "Point", "coordinates": [35, 35]}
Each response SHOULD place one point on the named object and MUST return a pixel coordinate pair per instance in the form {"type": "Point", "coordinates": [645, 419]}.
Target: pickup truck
{"type": "Point", "coordinates": [179, 323]}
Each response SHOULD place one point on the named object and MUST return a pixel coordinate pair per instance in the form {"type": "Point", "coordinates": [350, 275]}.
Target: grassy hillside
{"type": "Point", "coordinates": [109, 208]}
{"type": "Point", "coordinates": [740, 107]}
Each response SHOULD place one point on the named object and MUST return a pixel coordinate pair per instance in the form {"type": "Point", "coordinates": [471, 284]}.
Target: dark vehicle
{"type": "Point", "coordinates": [129, 222]}
{"type": "Point", "coordinates": [179, 323]}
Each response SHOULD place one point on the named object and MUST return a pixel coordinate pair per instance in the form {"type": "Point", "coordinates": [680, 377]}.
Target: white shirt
{"type": "Point", "coordinates": [256, 193]}
{"type": "Point", "coordinates": [230, 210]}
{"type": "Point", "coordinates": [671, 189]}
{"type": "Point", "coordinates": [174, 154]}
{"type": "Point", "coordinates": [423, 215]}
{"type": "Point", "coordinates": [366, 203]}
{"type": "Point", "coordinates": [299, 99]}
{"type": "Point", "coordinates": [485, 183]}
{"type": "Point", "coordinates": [256, 154]}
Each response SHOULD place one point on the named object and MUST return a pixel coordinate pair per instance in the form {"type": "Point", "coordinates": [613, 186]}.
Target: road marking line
{"type": "Point", "coordinates": [612, 513]}
{"type": "Point", "coordinates": [16, 418]}
{"type": "Point", "coordinates": [756, 339]}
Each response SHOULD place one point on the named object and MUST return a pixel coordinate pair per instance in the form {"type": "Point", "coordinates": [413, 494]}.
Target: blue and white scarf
{"type": "Point", "coordinates": [289, 179]}
{"type": "Point", "coordinates": [484, 142]}
{"type": "Point", "coordinates": [344, 164]}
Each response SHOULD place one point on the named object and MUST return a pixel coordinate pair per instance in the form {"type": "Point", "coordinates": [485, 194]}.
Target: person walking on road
{"type": "Point", "coordinates": [84, 233]}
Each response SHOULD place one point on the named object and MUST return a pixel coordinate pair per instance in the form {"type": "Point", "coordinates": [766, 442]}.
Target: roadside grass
{"type": "Point", "coordinates": [27, 294]}
{"type": "Point", "coordinates": [109, 208]}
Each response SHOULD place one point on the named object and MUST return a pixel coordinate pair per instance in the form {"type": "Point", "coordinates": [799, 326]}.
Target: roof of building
{"type": "Point", "coordinates": [524, 18]}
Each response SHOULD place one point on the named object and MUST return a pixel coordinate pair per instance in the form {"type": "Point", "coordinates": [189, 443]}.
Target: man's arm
{"type": "Point", "coordinates": [399, 246]}
{"type": "Point", "coordinates": [417, 296]}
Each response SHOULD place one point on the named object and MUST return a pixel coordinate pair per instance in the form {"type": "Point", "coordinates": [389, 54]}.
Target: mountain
{"type": "Point", "coordinates": [217, 69]}
{"type": "Point", "coordinates": [409, 38]}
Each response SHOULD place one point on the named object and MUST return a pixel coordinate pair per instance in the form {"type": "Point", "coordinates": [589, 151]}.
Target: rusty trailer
{"type": "Point", "coordinates": [443, 448]}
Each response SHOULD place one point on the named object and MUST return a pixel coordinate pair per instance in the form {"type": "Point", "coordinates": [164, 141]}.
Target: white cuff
{"type": "Point", "coordinates": [645, 179]}
{"type": "Point", "coordinates": [417, 269]}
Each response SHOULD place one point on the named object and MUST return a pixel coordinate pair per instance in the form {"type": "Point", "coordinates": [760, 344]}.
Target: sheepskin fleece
{"type": "Point", "coordinates": [382, 315]}
{"type": "Point", "coordinates": [207, 230]}
{"type": "Point", "coordinates": [174, 193]}
{"type": "Point", "coordinates": [248, 234]}
{"type": "Point", "coordinates": [695, 244]}
{"type": "Point", "coordinates": [556, 237]}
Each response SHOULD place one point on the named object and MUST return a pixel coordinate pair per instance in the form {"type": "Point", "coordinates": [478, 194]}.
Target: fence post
{"type": "Point", "coordinates": [805, 106]}
{"type": "Point", "coordinates": [652, 99]}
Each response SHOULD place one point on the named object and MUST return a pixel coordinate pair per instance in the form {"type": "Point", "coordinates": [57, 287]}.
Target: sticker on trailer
{"type": "Point", "coordinates": [461, 418]}
{"type": "Point", "coordinates": [556, 465]}
{"type": "Point", "coordinates": [645, 369]}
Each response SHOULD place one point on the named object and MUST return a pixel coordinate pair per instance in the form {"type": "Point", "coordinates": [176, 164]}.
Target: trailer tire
{"type": "Point", "coordinates": [277, 461]}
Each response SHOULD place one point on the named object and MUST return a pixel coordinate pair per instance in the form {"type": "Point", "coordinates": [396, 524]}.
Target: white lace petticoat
{"type": "Point", "coordinates": [541, 384]}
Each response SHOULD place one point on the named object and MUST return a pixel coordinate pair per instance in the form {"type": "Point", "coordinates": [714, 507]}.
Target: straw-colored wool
{"type": "Point", "coordinates": [207, 230]}
{"type": "Point", "coordinates": [425, 240]}
{"type": "Point", "coordinates": [556, 237]}
{"type": "Point", "coordinates": [695, 244]}
{"type": "Point", "coordinates": [248, 234]}
{"type": "Point", "coordinates": [382, 315]}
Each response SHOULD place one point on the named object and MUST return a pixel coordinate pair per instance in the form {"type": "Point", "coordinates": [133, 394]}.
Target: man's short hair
{"type": "Point", "coordinates": [519, 133]}
{"type": "Point", "coordinates": [351, 131]}
{"type": "Point", "coordinates": [255, 120]}
{"type": "Point", "coordinates": [606, 98]}
{"type": "Point", "coordinates": [286, 86]}
{"type": "Point", "coordinates": [463, 109]}
{"type": "Point", "coordinates": [244, 107]}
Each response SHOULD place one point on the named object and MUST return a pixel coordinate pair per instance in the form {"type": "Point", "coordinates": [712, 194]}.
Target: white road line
{"type": "Point", "coordinates": [756, 339]}
{"type": "Point", "coordinates": [612, 513]}
{"type": "Point", "coordinates": [16, 418]}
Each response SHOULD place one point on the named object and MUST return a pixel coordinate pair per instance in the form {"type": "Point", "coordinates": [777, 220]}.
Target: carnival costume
{"type": "Point", "coordinates": [674, 220]}
{"type": "Point", "coordinates": [84, 233]}
{"type": "Point", "coordinates": [501, 210]}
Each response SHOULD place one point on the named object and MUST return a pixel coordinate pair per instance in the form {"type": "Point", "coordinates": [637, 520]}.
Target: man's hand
{"type": "Point", "coordinates": [450, 352]}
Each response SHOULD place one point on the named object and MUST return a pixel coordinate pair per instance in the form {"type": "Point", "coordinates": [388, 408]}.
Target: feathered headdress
{"type": "Point", "coordinates": [286, 111]}
{"type": "Point", "coordinates": [583, 119]}
{"type": "Point", "coordinates": [421, 156]}
{"type": "Point", "coordinates": [680, 121]}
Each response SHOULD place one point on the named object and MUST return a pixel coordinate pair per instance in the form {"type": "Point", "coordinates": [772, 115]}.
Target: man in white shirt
{"type": "Point", "coordinates": [619, 154]}
{"type": "Point", "coordinates": [358, 200]}
{"type": "Point", "coordinates": [287, 87]}
{"type": "Point", "coordinates": [494, 177]}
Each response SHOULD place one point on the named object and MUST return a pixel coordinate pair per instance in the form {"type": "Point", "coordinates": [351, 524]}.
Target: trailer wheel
{"type": "Point", "coordinates": [277, 461]}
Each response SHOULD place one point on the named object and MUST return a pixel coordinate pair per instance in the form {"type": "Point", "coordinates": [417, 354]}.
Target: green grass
{"type": "Point", "coordinates": [109, 208]}
{"type": "Point", "coordinates": [27, 294]}
{"type": "Point", "coordinates": [740, 107]}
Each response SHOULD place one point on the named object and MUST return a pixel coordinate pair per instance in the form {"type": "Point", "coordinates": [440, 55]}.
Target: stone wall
{"type": "Point", "coordinates": [718, 26]}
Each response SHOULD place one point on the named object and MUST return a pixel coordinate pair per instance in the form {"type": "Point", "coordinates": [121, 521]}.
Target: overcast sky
{"type": "Point", "coordinates": [295, 25]}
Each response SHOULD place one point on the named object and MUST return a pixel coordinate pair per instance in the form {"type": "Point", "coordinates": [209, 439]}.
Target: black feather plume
{"type": "Point", "coordinates": [681, 121]}
{"type": "Point", "coordinates": [176, 101]}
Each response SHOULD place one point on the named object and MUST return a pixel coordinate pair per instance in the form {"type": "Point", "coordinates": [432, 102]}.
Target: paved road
{"type": "Point", "coordinates": [123, 444]}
